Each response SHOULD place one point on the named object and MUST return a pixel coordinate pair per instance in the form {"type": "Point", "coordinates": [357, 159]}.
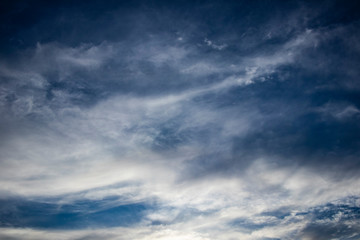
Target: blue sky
{"type": "Point", "coordinates": [195, 120]}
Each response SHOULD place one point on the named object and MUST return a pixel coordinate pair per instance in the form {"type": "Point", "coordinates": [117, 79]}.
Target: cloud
{"type": "Point", "coordinates": [214, 46]}
{"type": "Point", "coordinates": [339, 111]}
{"type": "Point", "coordinates": [144, 136]}
{"type": "Point", "coordinates": [329, 220]}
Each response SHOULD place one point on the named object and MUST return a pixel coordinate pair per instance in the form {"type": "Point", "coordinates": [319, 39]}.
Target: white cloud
{"type": "Point", "coordinates": [116, 135]}
{"type": "Point", "coordinates": [107, 149]}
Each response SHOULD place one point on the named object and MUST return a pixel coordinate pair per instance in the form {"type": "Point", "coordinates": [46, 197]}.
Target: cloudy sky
{"type": "Point", "coordinates": [179, 120]}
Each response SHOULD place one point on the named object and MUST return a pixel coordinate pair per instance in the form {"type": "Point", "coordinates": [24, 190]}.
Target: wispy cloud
{"type": "Point", "coordinates": [150, 136]}
{"type": "Point", "coordinates": [213, 45]}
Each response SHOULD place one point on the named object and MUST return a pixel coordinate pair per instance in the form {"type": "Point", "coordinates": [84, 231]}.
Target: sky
{"type": "Point", "coordinates": [179, 120]}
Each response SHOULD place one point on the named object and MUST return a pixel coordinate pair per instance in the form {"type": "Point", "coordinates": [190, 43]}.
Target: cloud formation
{"type": "Point", "coordinates": [179, 122]}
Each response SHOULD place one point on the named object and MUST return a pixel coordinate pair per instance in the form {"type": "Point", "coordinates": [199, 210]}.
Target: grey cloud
{"type": "Point", "coordinates": [213, 45]}
{"type": "Point", "coordinates": [340, 111]}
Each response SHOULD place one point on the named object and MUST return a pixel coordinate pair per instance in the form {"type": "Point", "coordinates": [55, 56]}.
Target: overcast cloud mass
{"type": "Point", "coordinates": [175, 120]}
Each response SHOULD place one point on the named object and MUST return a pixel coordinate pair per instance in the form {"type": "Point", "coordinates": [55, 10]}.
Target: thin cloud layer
{"type": "Point", "coordinates": [177, 121]}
